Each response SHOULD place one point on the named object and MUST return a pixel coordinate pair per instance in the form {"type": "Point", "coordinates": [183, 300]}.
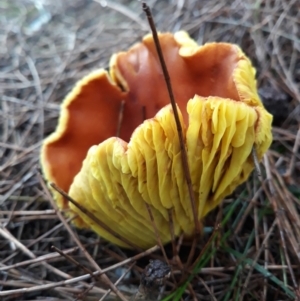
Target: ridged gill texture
{"type": "Point", "coordinates": [113, 177]}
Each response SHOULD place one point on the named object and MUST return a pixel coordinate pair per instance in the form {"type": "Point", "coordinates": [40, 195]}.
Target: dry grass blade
{"type": "Point", "coordinates": [103, 277]}
{"type": "Point", "coordinates": [93, 217]}
{"type": "Point", "coordinates": [156, 232]}
{"type": "Point", "coordinates": [263, 246]}
{"type": "Point", "coordinates": [118, 281]}
{"type": "Point", "coordinates": [292, 166]}
{"type": "Point", "coordinates": [6, 234]}
{"type": "Point", "coordinates": [72, 260]}
{"type": "Point", "coordinates": [36, 260]}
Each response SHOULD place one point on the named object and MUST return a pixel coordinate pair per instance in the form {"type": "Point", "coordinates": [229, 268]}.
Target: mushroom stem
{"type": "Point", "coordinates": [154, 277]}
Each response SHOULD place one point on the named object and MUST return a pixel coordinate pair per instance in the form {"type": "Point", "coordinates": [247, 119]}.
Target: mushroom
{"type": "Point", "coordinates": [114, 177]}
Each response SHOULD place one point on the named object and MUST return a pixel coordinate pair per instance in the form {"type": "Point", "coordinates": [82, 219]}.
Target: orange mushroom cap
{"type": "Point", "coordinates": [222, 119]}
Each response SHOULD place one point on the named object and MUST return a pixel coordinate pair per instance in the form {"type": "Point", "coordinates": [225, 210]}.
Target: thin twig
{"type": "Point", "coordinates": [94, 218]}
{"type": "Point", "coordinates": [120, 118]}
{"type": "Point", "coordinates": [118, 281]}
{"type": "Point", "coordinates": [77, 241]}
{"type": "Point", "coordinates": [296, 146]}
{"type": "Point", "coordinates": [80, 278]}
{"type": "Point", "coordinates": [167, 78]}
{"type": "Point", "coordinates": [6, 234]}
{"type": "Point", "coordinates": [158, 239]}
{"type": "Point", "coordinates": [72, 260]}
{"type": "Point", "coordinates": [263, 245]}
